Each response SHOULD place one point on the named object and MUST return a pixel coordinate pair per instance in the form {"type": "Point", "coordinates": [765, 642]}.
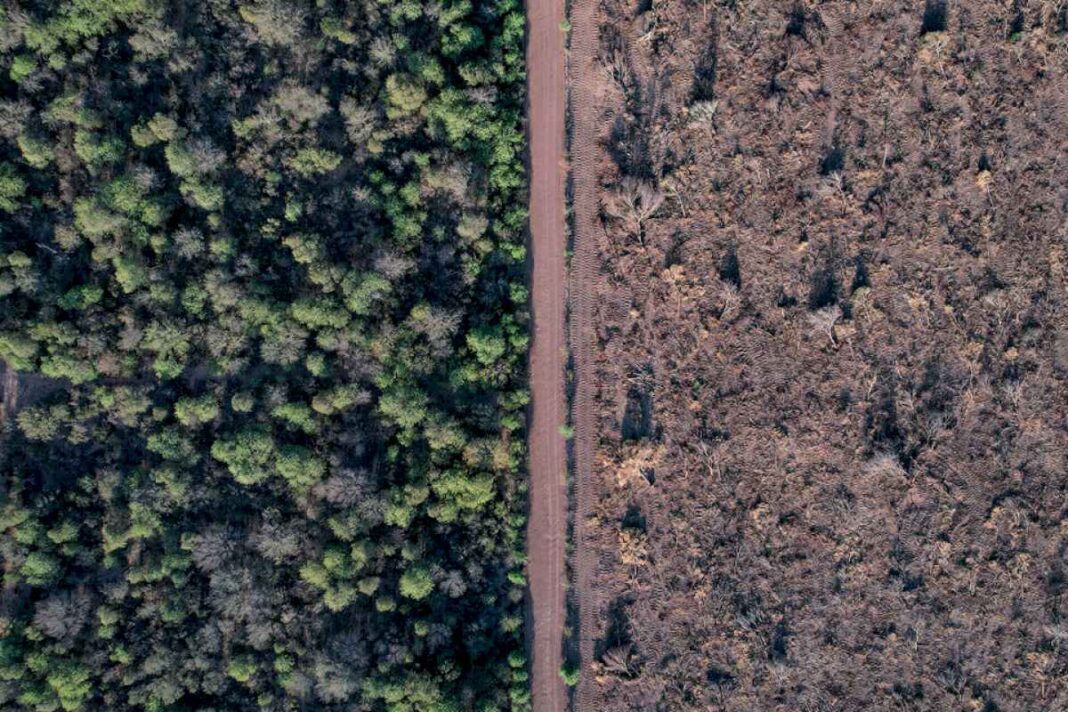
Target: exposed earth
{"type": "Point", "coordinates": [546, 531]}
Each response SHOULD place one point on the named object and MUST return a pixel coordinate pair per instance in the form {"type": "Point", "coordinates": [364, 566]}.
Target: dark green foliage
{"type": "Point", "coordinates": [274, 249]}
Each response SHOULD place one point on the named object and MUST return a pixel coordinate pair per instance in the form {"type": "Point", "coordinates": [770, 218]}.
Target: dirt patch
{"type": "Point", "coordinates": [19, 390]}
{"type": "Point", "coordinates": [9, 388]}
{"type": "Point", "coordinates": [546, 532]}
{"type": "Point", "coordinates": [828, 453]}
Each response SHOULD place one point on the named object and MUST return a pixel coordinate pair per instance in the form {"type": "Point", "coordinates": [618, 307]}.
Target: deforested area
{"type": "Point", "coordinates": [830, 466]}
{"type": "Point", "coordinates": [262, 276]}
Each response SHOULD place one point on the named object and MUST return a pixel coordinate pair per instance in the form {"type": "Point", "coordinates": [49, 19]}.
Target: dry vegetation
{"type": "Point", "coordinates": [833, 386]}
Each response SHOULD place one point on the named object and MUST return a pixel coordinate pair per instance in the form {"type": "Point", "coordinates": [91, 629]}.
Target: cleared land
{"type": "Point", "coordinates": [548, 458]}
{"type": "Point", "coordinates": [831, 362]}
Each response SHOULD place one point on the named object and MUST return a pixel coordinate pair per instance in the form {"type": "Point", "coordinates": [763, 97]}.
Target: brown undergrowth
{"type": "Point", "coordinates": [830, 465]}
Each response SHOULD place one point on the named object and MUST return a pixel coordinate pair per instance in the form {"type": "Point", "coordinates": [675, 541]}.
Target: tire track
{"type": "Point", "coordinates": [547, 527]}
{"type": "Point", "coordinates": [582, 288]}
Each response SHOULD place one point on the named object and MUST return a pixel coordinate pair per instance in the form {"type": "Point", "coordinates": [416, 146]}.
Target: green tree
{"type": "Point", "coordinates": [313, 161]}
{"type": "Point", "coordinates": [12, 188]}
{"type": "Point", "coordinates": [247, 454]}
{"type": "Point", "coordinates": [405, 94]}
{"type": "Point", "coordinates": [39, 569]}
{"type": "Point", "coordinates": [416, 583]}
{"type": "Point", "coordinates": [299, 467]}
{"type": "Point", "coordinates": [193, 412]}
{"type": "Point", "coordinates": [17, 350]}
{"type": "Point", "coordinates": [409, 693]}
{"type": "Point", "coordinates": [570, 674]}
{"type": "Point", "coordinates": [487, 344]}
{"type": "Point", "coordinates": [170, 344]}
{"type": "Point", "coordinates": [36, 152]}
{"type": "Point", "coordinates": [71, 684]}
{"type": "Point", "coordinates": [242, 667]}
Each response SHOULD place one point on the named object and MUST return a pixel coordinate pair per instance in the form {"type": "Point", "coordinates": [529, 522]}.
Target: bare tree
{"type": "Point", "coordinates": [63, 615]}
{"type": "Point", "coordinates": [634, 202]}
{"type": "Point", "coordinates": [823, 321]}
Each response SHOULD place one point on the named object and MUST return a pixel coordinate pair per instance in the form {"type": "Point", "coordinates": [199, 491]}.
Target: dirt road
{"type": "Point", "coordinates": [548, 461]}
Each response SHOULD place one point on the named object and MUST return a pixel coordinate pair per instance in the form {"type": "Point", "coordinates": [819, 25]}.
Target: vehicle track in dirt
{"type": "Point", "coordinates": [547, 528]}
{"type": "Point", "coordinates": [584, 103]}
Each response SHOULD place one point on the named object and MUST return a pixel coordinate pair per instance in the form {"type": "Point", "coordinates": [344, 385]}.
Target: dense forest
{"type": "Point", "coordinates": [269, 255]}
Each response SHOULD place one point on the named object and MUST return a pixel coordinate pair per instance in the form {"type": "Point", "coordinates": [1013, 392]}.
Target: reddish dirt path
{"type": "Point", "coordinates": [547, 530]}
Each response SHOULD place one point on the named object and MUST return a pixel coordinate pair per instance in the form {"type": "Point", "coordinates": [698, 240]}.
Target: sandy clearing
{"type": "Point", "coordinates": [546, 531]}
